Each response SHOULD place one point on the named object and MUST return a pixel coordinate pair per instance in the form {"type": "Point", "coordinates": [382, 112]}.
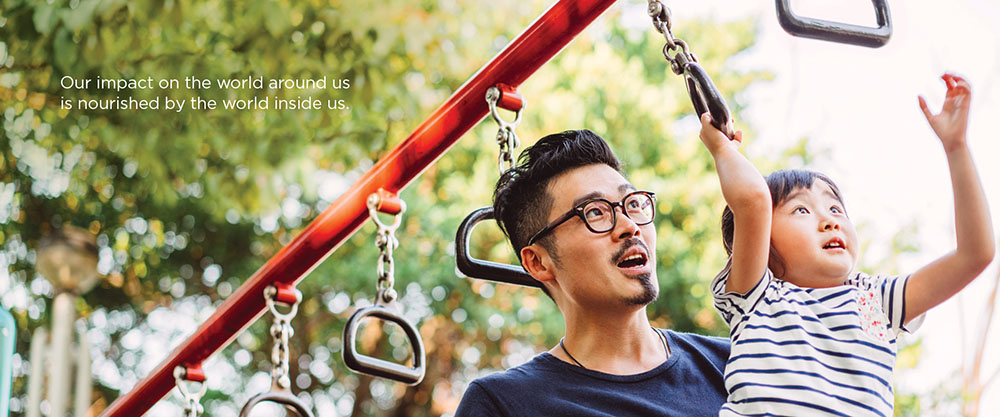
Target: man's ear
{"type": "Point", "coordinates": [537, 261]}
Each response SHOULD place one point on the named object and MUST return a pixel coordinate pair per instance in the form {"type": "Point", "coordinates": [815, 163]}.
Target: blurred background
{"type": "Point", "coordinates": [181, 208]}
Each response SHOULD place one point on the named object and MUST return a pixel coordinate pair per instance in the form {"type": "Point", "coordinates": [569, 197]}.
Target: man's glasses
{"type": "Point", "coordinates": [600, 215]}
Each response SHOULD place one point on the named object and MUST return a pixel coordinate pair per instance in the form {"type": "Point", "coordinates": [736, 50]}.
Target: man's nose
{"type": "Point", "coordinates": [625, 227]}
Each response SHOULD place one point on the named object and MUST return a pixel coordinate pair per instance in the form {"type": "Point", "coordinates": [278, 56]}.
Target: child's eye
{"type": "Point", "coordinates": [800, 210]}
{"type": "Point", "coordinates": [837, 210]}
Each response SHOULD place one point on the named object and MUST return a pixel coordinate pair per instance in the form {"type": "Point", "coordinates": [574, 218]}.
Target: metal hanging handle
{"type": "Point", "coordinates": [872, 37]}
{"type": "Point", "coordinates": [707, 98]}
{"type": "Point", "coordinates": [704, 95]}
{"type": "Point", "coordinates": [379, 367]}
{"type": "Point", "coordinates": [483, 269]}
{"type": "Point", "coordinates": [291, 403]}
{"type": "Point", "coordinates": [385, 301]}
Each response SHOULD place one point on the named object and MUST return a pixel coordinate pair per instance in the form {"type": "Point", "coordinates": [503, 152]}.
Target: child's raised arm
{"type": "Point", "coordinates": [748, 197]}
{"type": "Point", "coordinates": [942, 278]}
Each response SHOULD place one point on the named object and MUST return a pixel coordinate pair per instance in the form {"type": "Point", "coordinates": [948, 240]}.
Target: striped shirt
{"type": "Point", "coordinates": [812, 351]}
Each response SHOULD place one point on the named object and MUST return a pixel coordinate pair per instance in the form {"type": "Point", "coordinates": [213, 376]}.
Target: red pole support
{"type": "Point", "coordinates": [463, 110]}
{"type": "Point", "coordinates": [510, 98]}
{"type": "Point", "coordinates": [193, 373]}
{"type": "Point", "coordinates": [285, 293]}
{"type": "Point", "coordinates": [388, 203]}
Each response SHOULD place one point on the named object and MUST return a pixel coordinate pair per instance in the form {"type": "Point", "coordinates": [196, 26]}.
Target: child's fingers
{"type": "Point", "coordinates": [706, 119]}
{"type": "Point", "coordinates": [923, 107]}
{"type": "Point", "coordinates": [962, 85]}
{"type": "Point", "coordinates": [949, 80]}
{"type": "Point", "coordinates": [958, 78]}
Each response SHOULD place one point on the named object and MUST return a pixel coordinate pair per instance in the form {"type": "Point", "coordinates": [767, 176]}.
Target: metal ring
{"type": "Point", "coordinates": [373, 201]}
{"type": "Point", "coordinates": [179, 372]}
{"type": "Point", "coordinates": [269, 292]}
{"type": "Point", "coordinates": [491, 100]}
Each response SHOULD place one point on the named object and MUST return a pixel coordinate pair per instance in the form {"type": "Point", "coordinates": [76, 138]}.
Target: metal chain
{"type": "Point", "coordinates": [385, 241]}
{"type": "Point", "coordinates": [680, 53]}
{"type": "Point", "coordinates": [507, 139]}
{"type": "Point", "coordinates": [192, 399]}
{"type": "Point", "coordinates": [281, 331]}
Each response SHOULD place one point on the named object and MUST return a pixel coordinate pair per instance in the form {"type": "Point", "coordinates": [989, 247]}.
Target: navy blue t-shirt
{"type": "Point", "coordinates": [688, 384]}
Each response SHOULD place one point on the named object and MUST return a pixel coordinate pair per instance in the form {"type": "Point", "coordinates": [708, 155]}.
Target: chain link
{"type": "Point", "coordinates": [192, 399]}
{"type": "Point", "coordinates": [385, 241]}
{"type": "Point", "coordinates": [507, 139]}
{"type": "Point", "coordinates": [675, 50]}
{"type": "Point", "coordinates": [281, 331]}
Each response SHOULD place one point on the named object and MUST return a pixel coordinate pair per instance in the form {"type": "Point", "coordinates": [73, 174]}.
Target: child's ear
{"type": "Point", "coordinates": [775, 263]}
{"type": "Point", "coordinates": [537, 261]}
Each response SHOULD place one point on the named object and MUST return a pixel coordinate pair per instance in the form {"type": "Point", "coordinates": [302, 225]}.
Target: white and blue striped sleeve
{"type": "Point", "coordinates": [733, 306]}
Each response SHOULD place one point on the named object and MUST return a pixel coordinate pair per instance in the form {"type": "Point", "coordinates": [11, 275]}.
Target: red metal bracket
{"type": "Point", "coordinates": [388, 203]}
{"type": "Point", "coordinates": [286, 293]}
{"type": "Point", "coordinates": [194, 373]}
{"type": "Point", "coordinates": [510, 98]}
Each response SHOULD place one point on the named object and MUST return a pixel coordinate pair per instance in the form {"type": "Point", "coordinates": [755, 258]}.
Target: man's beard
{"type": "Point", "coordinates": [649, 291]}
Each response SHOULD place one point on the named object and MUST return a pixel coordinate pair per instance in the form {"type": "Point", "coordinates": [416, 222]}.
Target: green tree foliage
{"type": "Point", "coordinates": [187, 205]}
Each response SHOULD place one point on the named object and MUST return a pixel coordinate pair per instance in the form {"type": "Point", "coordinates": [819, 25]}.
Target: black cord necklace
{"type": "Point", "coordinates": [663, 340]}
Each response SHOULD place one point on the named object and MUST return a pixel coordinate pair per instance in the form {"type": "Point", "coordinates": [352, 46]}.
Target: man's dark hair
{"type": "Point", "coordinates": [781, 184]}
{"type": "Point", "coordinates": [521, 203]}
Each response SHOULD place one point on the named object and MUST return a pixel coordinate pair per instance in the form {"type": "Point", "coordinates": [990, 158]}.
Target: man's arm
{"type": "Point", "coordinates": [748, 197]}
{"type": "Point", "coordinates": [942, 278]}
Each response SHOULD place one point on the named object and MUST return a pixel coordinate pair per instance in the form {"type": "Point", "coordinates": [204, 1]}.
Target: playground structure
{"type": "Point", "coordinates": [541, 41]}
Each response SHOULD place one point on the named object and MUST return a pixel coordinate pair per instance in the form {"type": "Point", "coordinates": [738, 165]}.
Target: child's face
{"type": "Point", "coordinates": [814, 238]}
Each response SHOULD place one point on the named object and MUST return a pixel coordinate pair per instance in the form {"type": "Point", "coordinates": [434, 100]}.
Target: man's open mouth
{"type": "Point", "coordinates": [634, 259]}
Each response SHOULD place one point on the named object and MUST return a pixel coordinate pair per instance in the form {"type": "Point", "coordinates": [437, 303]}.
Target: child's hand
{"type": "Point", "coordinates": [714, 139]}
{"type": "Point", "coordinates": [951, 122]}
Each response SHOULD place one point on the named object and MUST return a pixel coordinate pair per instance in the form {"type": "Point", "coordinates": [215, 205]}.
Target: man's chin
{"type": "Point", "coordinates": [649, 292]}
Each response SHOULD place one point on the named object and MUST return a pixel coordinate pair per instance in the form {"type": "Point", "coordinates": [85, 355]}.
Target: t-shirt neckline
{"type": "Point", "coordinates": [552, 360]}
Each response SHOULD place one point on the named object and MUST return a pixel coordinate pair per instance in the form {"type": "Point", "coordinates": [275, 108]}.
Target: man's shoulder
{"type": "Point", "coordinates": [496, 393]}
{"type": "Point", "coordinates": [698, 341]}
{"type": "Point", "coordinates": [520, 374]}
{"type": "Point", "coordinates": [707, 354]}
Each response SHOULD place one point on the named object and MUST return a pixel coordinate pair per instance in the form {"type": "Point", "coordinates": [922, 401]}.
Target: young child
{"type": "Point", "coordinates": [809, 337]}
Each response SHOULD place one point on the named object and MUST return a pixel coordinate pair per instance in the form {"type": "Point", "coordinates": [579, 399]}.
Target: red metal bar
{"type": "Point", "coordinates": [463, 110]}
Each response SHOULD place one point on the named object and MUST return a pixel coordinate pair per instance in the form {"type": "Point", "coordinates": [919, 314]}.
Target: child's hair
{"type": "Point", "coordinates": [781, 183]}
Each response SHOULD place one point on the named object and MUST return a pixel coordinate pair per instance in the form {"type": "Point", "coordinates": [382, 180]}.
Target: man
{"type": "Point", "coordinates": [582, 230]}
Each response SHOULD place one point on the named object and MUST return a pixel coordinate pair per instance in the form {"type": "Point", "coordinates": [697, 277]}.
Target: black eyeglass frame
{"type": "Point", "coordinates": [577, 211]}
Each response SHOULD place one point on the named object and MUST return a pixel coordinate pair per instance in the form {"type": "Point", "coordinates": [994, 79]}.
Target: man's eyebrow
{"type": "Point", "coordinates": [596, 194]}
{"type": "Point", "coordinates": [588, 196]}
